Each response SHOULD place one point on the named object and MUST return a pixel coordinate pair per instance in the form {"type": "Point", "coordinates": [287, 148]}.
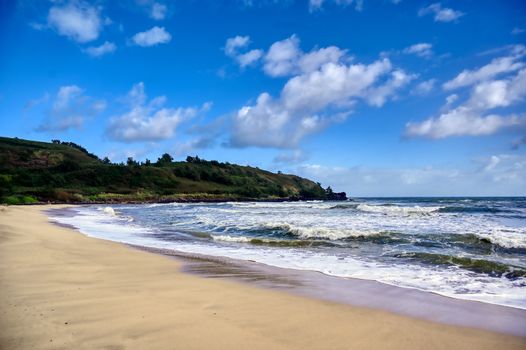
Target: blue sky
{"type": "Point", "coordinates": [376, 98]}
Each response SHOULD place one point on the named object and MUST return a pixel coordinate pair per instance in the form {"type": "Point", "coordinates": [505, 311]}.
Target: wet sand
{"type": "Point", "coordinates": [63, 290]}
{"type": "Point", "coordinates": [356, 292]}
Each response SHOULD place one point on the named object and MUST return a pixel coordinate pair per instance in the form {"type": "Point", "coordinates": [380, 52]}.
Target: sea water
{"type": "Point", "coordinates": [466, 248]}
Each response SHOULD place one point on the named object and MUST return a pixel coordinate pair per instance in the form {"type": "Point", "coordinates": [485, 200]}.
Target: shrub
{"type": "Point", "coordinates": [16, 200]}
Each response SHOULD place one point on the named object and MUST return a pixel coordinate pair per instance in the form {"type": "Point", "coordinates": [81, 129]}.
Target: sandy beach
{"type": "Point", "coordinates": [63, 290]}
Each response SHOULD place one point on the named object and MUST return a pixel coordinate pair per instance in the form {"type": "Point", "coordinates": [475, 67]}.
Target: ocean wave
{"type": "Point", "coordinates": [318, 232]}
{"type": "Point", "coordinates": [271, 242]}
{"type": "Point", "coordinates": [474, 210]}
{"type": "Point", "coordinates": [488, 267]}
{"type": "Point", "coordinates": [508, 240]}
{"type": "Point", "coordinates": [397, 210]}
{"type": "Point", "coordinates": [487, 274]}
{"type": "Point", "coordinates": [344, 206]}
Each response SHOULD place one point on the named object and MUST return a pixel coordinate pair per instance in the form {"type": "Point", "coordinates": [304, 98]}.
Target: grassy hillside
{"type": "Point", "coordinates": [33, 171]}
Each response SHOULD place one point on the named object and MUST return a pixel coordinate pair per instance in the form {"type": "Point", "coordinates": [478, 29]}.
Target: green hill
{"type": "Point", "coordinates": [65, 172]}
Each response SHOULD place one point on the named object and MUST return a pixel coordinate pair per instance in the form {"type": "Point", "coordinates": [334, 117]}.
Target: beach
{"type": "Point", "coordinates": [62, 290]}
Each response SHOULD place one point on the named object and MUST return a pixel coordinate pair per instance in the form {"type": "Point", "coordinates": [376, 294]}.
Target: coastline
{"type": "Point", "coordinates": [63, 289]}
{"type": "Point", "coordinates": [370, 294]}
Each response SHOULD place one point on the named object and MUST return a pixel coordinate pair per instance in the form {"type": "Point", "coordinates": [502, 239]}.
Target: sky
{"type": "Point", "coordinates": [372, 97]}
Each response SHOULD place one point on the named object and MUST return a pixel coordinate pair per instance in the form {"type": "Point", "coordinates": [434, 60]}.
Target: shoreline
{"type": "Point", "coordinates": [69, 290]}
{"type": "Point", "coordinates": [405, 301]}
{"type": "Point", "coordinates": [411, 302]}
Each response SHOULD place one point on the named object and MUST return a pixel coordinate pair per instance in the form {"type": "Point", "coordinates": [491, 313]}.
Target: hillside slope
{"type": "Point", "coordinates": [65, 172]}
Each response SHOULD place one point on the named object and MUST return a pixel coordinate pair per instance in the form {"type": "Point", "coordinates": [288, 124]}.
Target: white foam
{"type": "Point", "coordinates": [227, 238]}
{"type": "Point", "coordinates": [507, 238]}
{"type": "Point", "coordinates": [307, 223]}
{"type": "Point", "coordinates": [109, 210]}
{"type": "Point", "coordinates": [318, 232]}
{"type": "Point", "coordinates": [399, 210]}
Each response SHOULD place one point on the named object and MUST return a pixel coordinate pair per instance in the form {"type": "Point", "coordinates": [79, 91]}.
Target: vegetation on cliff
{"type": "Point", "coordinates": [33, 171]}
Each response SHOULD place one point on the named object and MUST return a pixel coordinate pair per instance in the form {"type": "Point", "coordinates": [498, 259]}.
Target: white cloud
{"type": "Point", "coordinates": [377, 96]}
{"type": "Point", "coordinates": [517, 31]}
{"type": "Point", "coordinates": [148, 121]}
{"type": "Point", "coordinates": [77, 20]}
{"type": "Point", "coordinates": [70, 109]}
{"type": "Point", "coordinates": [441, 14]}
{"type": "Point", "coordinates": [499, 93]}
{"type": "Point", "coordinates": [313, 100]}
{"type": "Point", "coordinates": [98, 51]}
{"type": "Point", "coordinates": [152, 37]}
{"type": "Point", "coordinates": [158, 11]}
{"type": "Point", "coordinates": [285, 58]}
{"type": "Point", "coordinates": [420, 49]}
{"type": "Point", "coordinates": [451, 99]}
{"type": "Point", "coordinates": [471, 118]}
{"type": "Point", "coordinates": [315, 5]}
{"type": "Point", "coordinates": [497, 66]}
{"type": "Point", "coordinates": [313, 60]}
{"type": "Point", "coordinates": [249, 58]}
{"type": "Point", "coordinates": [282, 57]}
{"type": "Point", "coordinates": [462, 121]}
{"type": "Point", "coordinates": [425, 87]}
{"type": "Point", "coordinates": [234, 44]}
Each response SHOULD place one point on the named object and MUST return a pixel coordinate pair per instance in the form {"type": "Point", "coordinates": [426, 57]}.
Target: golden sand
{"type": "Point", "coordinates": [62, 290]}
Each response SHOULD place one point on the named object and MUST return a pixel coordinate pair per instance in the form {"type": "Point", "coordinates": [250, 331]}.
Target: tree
{"type": "Point", "coordinates": [147, 162]}
{"type": "Point", "coordinates": [165, 159]}
{"type": "Point", "coordinates": [57, 142]}
{"type": "Point", "coordinates": [329, 191]}
{"type": "Point", "coordinates": [106, 160]}
{"type": "Point", "coordinates": [131, 162]}
{"type": "Point", "coordinates": [195, 159]}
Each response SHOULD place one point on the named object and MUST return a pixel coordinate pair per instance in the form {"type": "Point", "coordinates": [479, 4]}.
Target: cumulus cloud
{"type": "Point", "coordinates": [98, 51]}
{"type": "Point", "coordinates": [234, 45]}
{"type": "Point", "coordinates": [77, 20]}
{"type": "Point", "coordinates": [424, 87]}
{"type": "Point", "coordinates": [158, 11]}
{"type": "Point", "coordinates": [462, 121]}
{"type": "Point", "coordinates": [152, 37]}
{"type": "Point", "coordinates": [70, 108]}
{"type": "Point", "coordinates": [472, 117]}
{"type": "Point", "coordinates": [420, 49]}
{"type": "Point", "coordinates": [441, 14]}
{"type": "Point", "coordinates": [282, 56]}
{"type": "Point", "coordinates": [148, 121]}
{"type": "Point", "coordinates": [249, 58]}
{"type": "Point", "coordinates": [315, 5]}
{"type": "Point", "coordinates": [322, 93]}
{"type": "Point", "coordinates": [497, 66]}
{"type": "Point", "coordinates": [285, 58]}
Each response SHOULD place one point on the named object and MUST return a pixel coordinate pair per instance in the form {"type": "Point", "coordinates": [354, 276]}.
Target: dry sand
{"type": "Point", "coordinates": [62, 290]}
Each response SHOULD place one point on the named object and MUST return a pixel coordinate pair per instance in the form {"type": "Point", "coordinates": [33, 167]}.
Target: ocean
{"type": "Point", "coordinates": [465, 248]}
